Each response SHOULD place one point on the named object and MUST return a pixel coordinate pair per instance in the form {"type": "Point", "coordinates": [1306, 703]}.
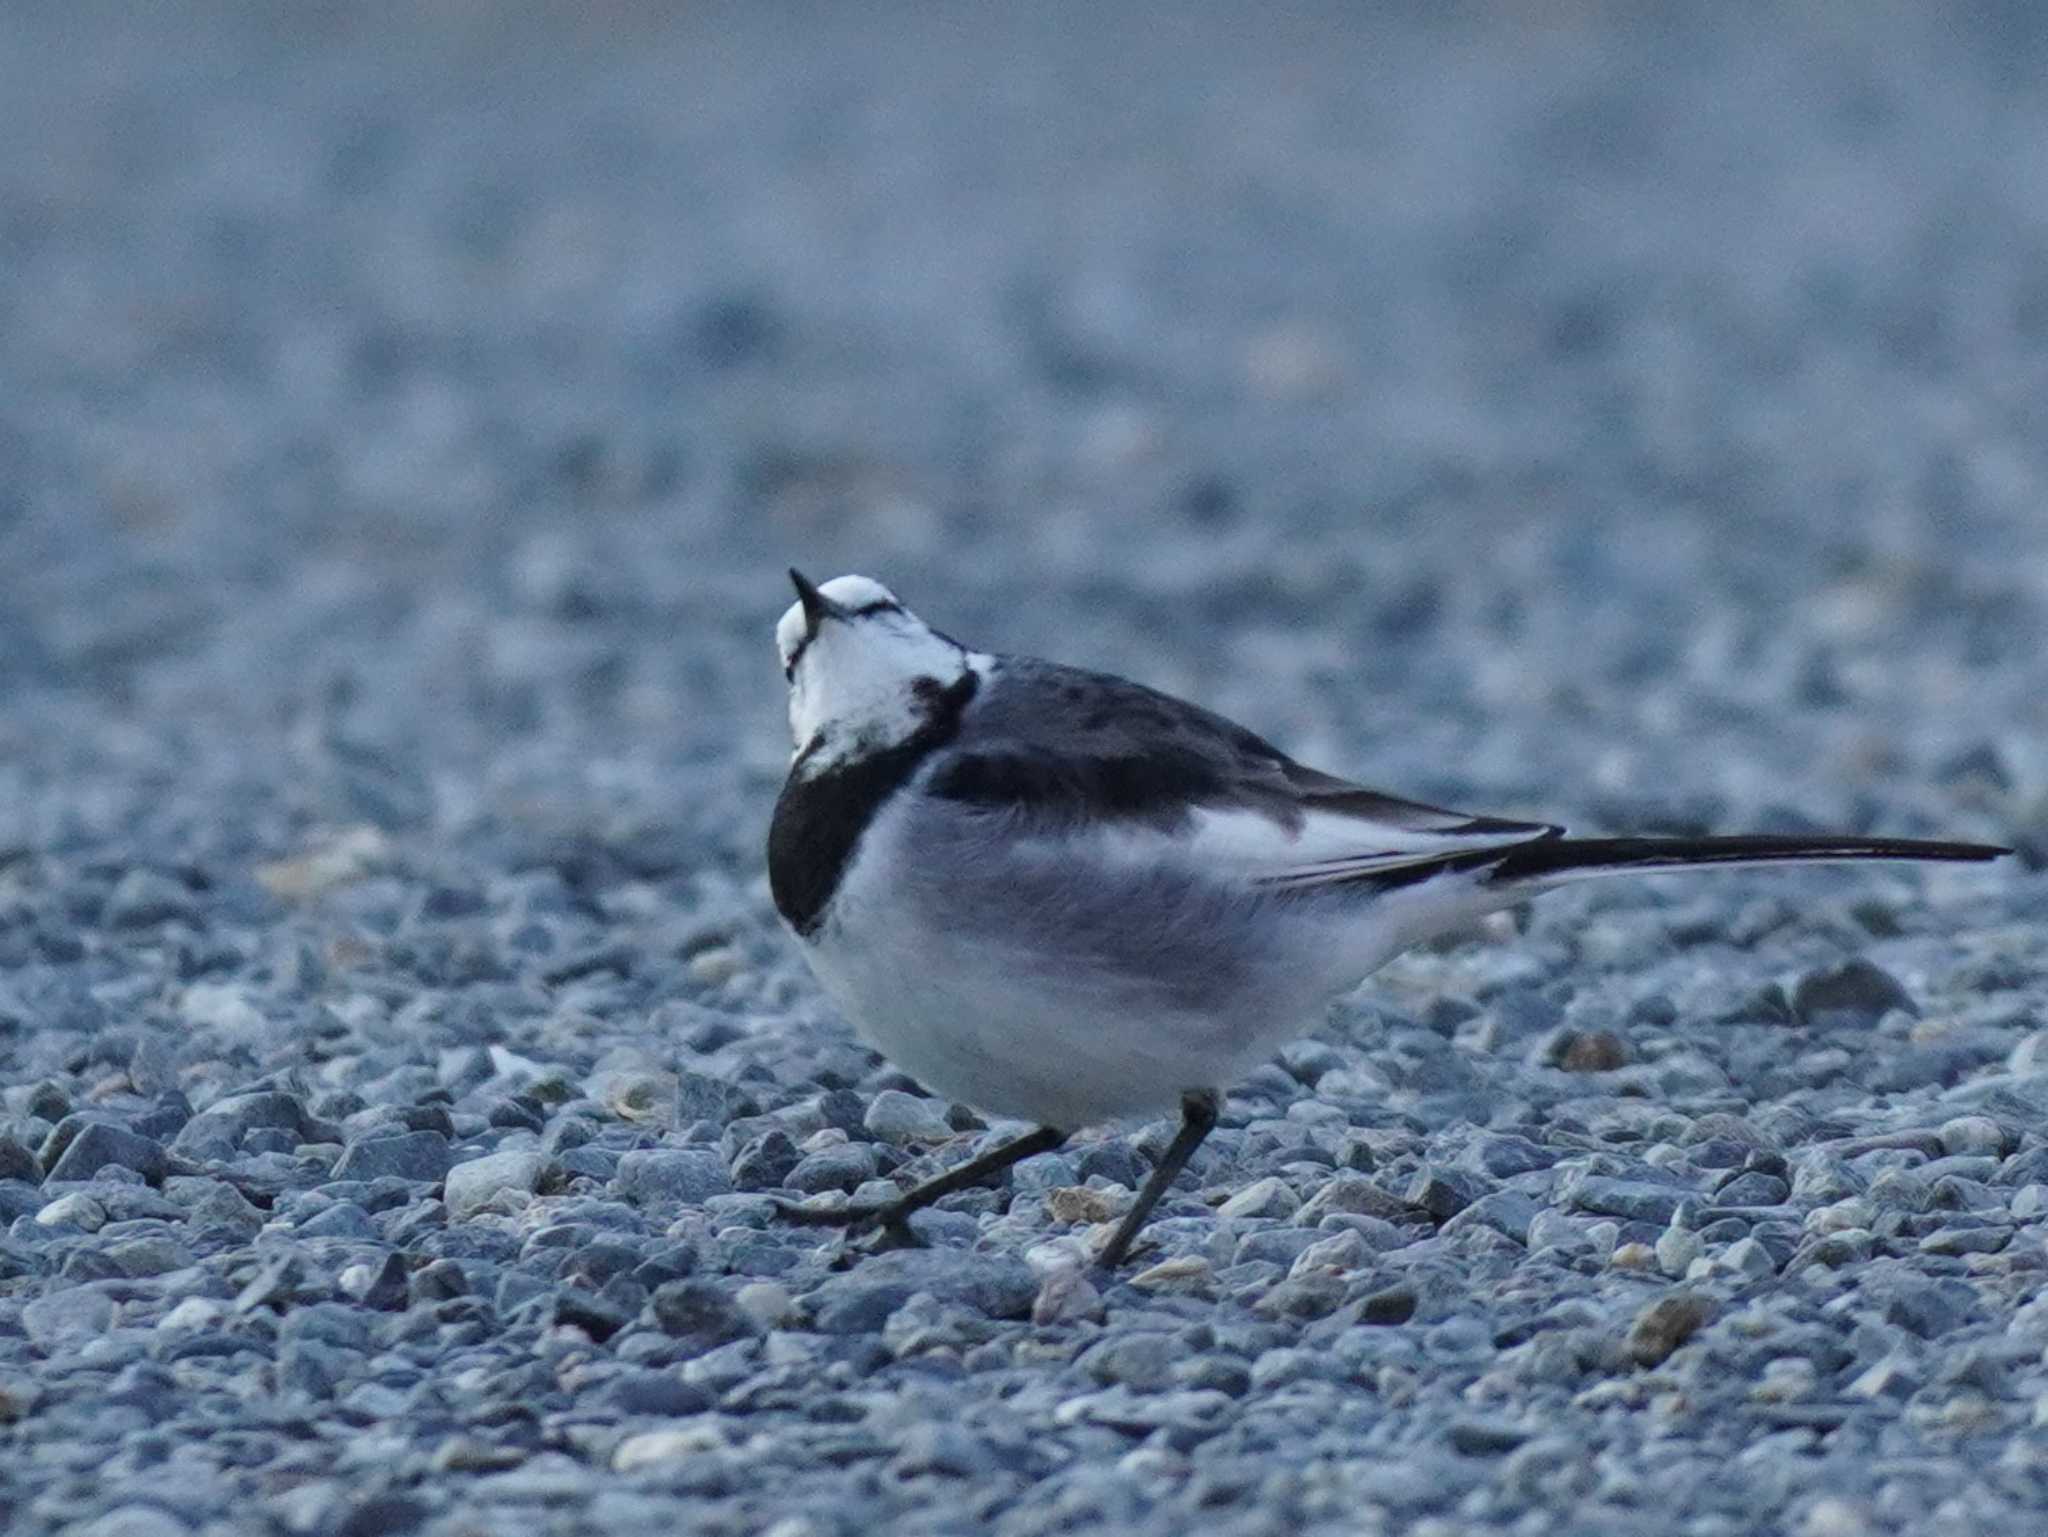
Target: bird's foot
{"type": "Point", "coordinates": [869, 1229]}
{"type": "Point", "coordinates": [848, 1217]}
{"type": "Point", "coordinates": [884, 1237]}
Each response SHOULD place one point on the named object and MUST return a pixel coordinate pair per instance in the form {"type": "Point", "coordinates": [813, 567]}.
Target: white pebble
{"type": "Point", "coordinates": [192, 1313]}
{"type": "Point", "coordinates": [77, 1210]}
{"type": "Point", "coordinates": [1268, 1197]}
{"type": "Point", "coordinates": [1973, 1134]}
{"type": "Point", "coordinates": [1677, 1248]}
{"type": "Point", "coordinates": [1839, 1216]}
{"type": "Point", "coordinates": [1833, 1517]}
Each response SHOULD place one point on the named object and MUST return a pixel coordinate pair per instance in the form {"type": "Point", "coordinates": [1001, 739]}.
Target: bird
{"type": "Point", "coordinates": [1064, 898]}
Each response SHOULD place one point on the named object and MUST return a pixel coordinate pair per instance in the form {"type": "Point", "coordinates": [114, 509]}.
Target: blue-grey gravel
{"type": "Point", "coordinates": [404, 433]}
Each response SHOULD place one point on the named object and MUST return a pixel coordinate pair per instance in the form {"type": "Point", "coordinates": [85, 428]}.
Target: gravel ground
{"type": "Point", "coordinates": [406, 413]}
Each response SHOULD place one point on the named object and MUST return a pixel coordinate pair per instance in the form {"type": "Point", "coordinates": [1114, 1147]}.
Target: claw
{"type": "Point", "coordinates": [892, 1233]}
{"type": "Point", "coordinates": [828, 1216]}
{"type": "Point", "coordinates": [885, 1236]}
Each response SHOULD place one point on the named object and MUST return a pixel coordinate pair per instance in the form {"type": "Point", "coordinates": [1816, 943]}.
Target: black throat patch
{"type": "Point", "coordinates": [819, 818]}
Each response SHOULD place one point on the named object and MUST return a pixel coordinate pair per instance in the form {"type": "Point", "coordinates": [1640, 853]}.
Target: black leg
{"type": "Point", "coordinates": [1197, 1120]}
{"type": "Point", "coordinates": [975, 1171]}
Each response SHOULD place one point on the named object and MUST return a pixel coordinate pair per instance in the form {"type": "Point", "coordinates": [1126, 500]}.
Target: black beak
{"type": "Point", "coordinates": [817, 607]}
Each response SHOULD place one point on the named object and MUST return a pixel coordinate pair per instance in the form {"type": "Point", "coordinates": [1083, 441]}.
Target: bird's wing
{"type": "Point", "coordinates": [1056, 750]}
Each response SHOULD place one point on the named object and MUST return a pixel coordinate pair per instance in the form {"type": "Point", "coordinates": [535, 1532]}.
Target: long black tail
{"type": "Point", "coordinates": [1553, 859]}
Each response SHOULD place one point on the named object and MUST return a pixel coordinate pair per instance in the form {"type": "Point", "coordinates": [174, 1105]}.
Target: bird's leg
{"type": "Point", "coordinates": [894, 1216]}
{"type": "Point", "coordinates": [1197, 1119]}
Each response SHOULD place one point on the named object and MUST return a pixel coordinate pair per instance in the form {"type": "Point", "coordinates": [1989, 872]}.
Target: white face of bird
{"type": "Point", "coordinates": [862, 669]}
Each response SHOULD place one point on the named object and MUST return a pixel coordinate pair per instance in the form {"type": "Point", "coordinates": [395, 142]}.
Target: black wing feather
{"type": "Point", "coordinates": [1062, 745]}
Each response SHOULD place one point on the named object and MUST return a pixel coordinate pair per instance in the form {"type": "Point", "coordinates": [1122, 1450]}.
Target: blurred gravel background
{"type": "Point", "coordinates": [406, 413]}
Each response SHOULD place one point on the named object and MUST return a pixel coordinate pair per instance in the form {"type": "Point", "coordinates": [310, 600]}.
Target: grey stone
{"type": "Point", "coordinates": [143, 898]}
{"type": "Point", "coordinates": [1115, 1160]}
{"type": "Point", "coordinates": [76, 1210]}
{"type": "Point", "coordinates": [1484, 1438]}
{"type": "Point", "coordinates": [1305, 1294]}
{"type": "Point", "coordinates": [1353, 1193]}
{"type": "Point", "coordinates": [1966, 1240]}
{"type": "Point", "coordinates": [1978, 1134]}
{"type": "Point", "coordinates": [1344, 1250]}
{"type": "Point", "coordinates": [1444, 1192]}
{"type": "Point", "coordinates": [689, 1175]}
{"type": "Point", "coordinates": [2029, 1166]}
{"type": "Point", "coordinates": [273, 1285]}
{"type": "Point", "coordinates": [1268, 1197]}
{"type": "Point", "coordinates": [1277, 1246]}
{"type": "Point", "coordinates": [702, 1097]}
{"type": "Point", "coordinates": [1821, 1179]}
{"type": "Point", "coordinates": [420, 1156]}
{"type": "Point", "coordinates": [639, 1391]}
{"type": "Point", "coordinates": [850, 1305]}
{"type": "Point", "coordinates": [1066, 1296]}
{"type": "Point", "coordinates": [381, 1285]}
{"type": "Point", "coordinates": [65, 1319]}
{"type": "Point", "coordinates": [472, 1185]}
{"type": "Point", "coordinates": [704, 1311]}
{"type": "Point", "coordinates": [943, 1449]}
{"type": "Point", "coordinates": [1141, 1361]}
{"type": "Point", "coordinates": [765, 1162]}
{"type": "Point", "coordinates": [312, 1369]}
{"type": "Point", "coordinates": [133, 1520]}
{"type": "Point", "coordinates": [1502, 1156]}
{"type": "Point", "coordinates": [1635, 1200]}
{"type": "Point", "coordinates": [343, 1219]}
{"type": "Point", "coordinates": [1505, 1211]}
{"type": "Point", "coordinates": [1902, 1190]}
{"type": "Point", "coordinates": [1896, 1376]}
{"type": "Point", "coordinates": [1676, 1248]}
{"type": "Point", "coordinates": [1928, 1308]}
{"type": "Point", "coordinates": [1753, 1189]}
{"type": "Point", "coordinates": [1552, 1229]}
{"type": "Point", "coordinates": [18, 1163]}
{"type": "Point", "coordinates": [845, 1167]}
{"type": "Point", "coordinates": [1855, 992]}
{"type": "Point", "coordinates": [154, 1255]}
{"type": "Point", "coordinates": [1747, 1257]}
{"type": "Point", "coordinates": [1664, 1325]}
{"type": "Point", "coordinates": [1276, 1369]}
{"type": "Point", "coordinates": [1396, 1305]}
{"type": "Point", "coordinates": [994, 1285]}
{"type": "Point", "coordinates": [595, 1313]}
{"type": "Point", "coordinates": [1848, 1246]}
{"type": "Point", "coordinates": [905, 1118]}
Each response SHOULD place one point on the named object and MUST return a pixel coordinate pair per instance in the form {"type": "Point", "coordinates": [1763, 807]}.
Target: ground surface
{"type": "Point", "coordinates": [405, 418]}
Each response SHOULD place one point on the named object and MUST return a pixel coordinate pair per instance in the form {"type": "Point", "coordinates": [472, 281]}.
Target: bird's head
{"type": "Point", "coordinates": [864, 672]}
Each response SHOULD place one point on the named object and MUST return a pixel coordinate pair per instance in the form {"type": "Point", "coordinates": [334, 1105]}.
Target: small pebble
{"type": "Point", "coordinates": [902, 1119]}
{"type": "Point", "coordinates": [1066, 1295]}
{"type": "Point", "coordinates": [1974, 1134]}
{"type": "Point", "coordinates": [1078, 1205]}
{"type": "Point", "coordinates": [1666, 1324]}
{"type": "Point", "coordinates": [473, 1185]}
{"type": "Point", "coordinates": [1269, 1197]}
{"type": "Point", "coordinates": [1182, 1271]}
{"type": "Point", "coordinates": [77, 1210]}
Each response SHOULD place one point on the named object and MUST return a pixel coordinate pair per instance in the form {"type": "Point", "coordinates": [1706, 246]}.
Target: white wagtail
{"type": "Point", "coordinates": [1062, 897]}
